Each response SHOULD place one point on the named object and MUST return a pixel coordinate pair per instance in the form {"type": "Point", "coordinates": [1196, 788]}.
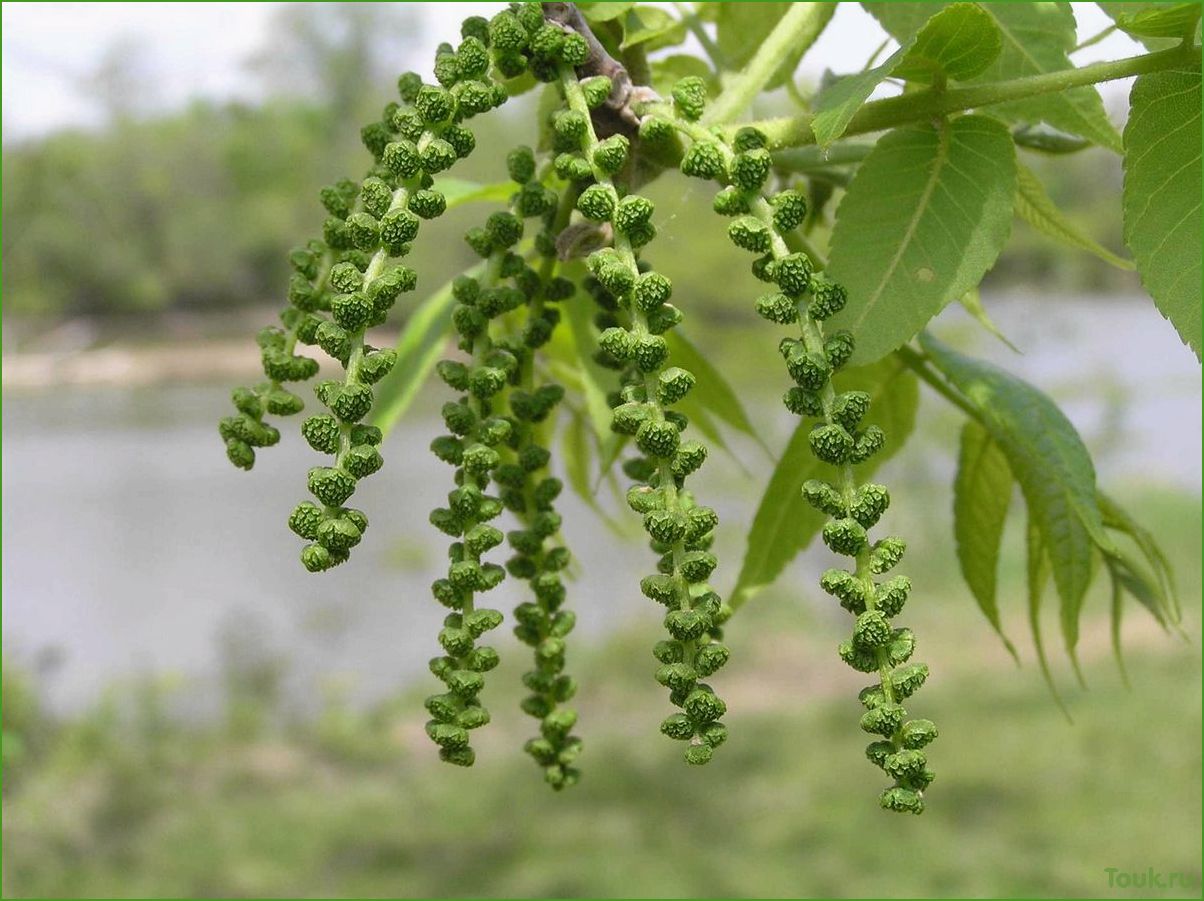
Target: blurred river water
{"type": "Point", "coordinates": [131, 546]}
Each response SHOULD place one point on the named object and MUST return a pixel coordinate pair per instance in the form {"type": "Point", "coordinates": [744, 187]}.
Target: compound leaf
{"type": "Point", "coordinates": [1037, 572]}
{"type": "Point", "coordinates": [1036, 38]}
{"type": "Point", "coordinates": [957, 43]}
{"type": "Point", "coordinates": [713, 394]}
{"type": "Point", "coordinates": [957, 40]}
{"type": "Point", "coordinates": [1175, 21]}
{"type": "Point", "coordinates": [459, 191]}
{"type": "Point", "coordinates": [1053, 467]}
{"type": "Point", "coordinates": [972, 303]}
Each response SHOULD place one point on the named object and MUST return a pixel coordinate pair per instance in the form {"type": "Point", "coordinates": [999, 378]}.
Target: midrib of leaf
{"type": "Point", "coordinates": [938, 164]}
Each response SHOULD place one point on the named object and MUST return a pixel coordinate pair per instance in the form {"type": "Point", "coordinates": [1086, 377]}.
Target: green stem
{"type": "Point", "coordinates": [810, 159]}
{"type": "Point", "coordinates": [400, 200]}
{"type": "Point", "coordinates": [1095, 39]}
{"type": "Point", "coordinates": [878, 115]}
{"type": "Point", "coordinates": [717, 57]}
{"type": "Point", "coordinates": [794, 34]}
{"type": "Point", "coordinates": [918, 363]}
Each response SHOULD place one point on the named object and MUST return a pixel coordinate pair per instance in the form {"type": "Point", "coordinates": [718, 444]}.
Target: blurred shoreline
{"type": "Point", "coordinates": [216, 346]}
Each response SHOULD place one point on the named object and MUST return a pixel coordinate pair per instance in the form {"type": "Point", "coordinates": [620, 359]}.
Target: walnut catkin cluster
{"type": "Point", "coordinates": [680, 531]}
{"type": "Point", "coordinates": [503, 318]}
{"type": "Point", "coordinates": [762, 222]}
{"type": "Point", "coordinates": [500, 418]}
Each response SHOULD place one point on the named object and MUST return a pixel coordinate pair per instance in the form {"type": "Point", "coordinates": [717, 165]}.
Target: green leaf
{"type": "Point", "coordinates": [575, 451]}
{"type": "Point", "coordinates": [957, 44]}
{"type": "Point", "coordinates": [596, 381]}
{"type": "Point", "coordinates": [838, 102]}
{"type": "Point", "coordinates": [1117, 617]}
{"type": "Point", "coordinates": [982, 493]}
{"type": "Point", "coordinates": [1035, 207]}
{"type": "Point", "coordinates": [601, 11]}
{"type": "Point", "coordinates": [1037, 571]}
{"type": "Point", "coordinates": [957, 41]}
{"type": "Point", "coordinates": [902, 20]}
{"type": "Point", "coordinates": [1162, 194]}
{"type": "Point", "coordinates": [1036, 38]}
{"type": "Point", "coordinates": [1174, 21]}
{"type": "Point", "coordinates": [971, 302]}
{"type": "Point", "coordinates": [418, 350]}
{"type": "Point", "coordinates": [923, 220]}
{"type": "Point", "coordinates": [1138, 582]}
{"type": "Point", "coordinates": [713, 395]}
{"type": "Point", "coordinates": [459, 191]}
{"type": "Point", "coordinates": [1050, 462]}
{"type": "Point", "coordinates": [741, 28]}
{"type": "Point", "coordinates": [784, 523]}
{"type": "Point", "coordinates": [1119, 520]}
{"type": "Point", "coordinates": [1126, 8]}
{"type": "Point", "coordinates": [1129, 577]}
{"type": "Point", "coordinates": [701, 419]}
{"type": "Point", "coordinates": [651, 26]}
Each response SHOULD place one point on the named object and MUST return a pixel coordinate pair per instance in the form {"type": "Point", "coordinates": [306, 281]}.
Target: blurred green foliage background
{"type": "Point", "coordinates": [196, 209]}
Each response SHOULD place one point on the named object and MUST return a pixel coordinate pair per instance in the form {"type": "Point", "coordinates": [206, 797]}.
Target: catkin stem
{"type": "Point", "coordinates": [376, 265]}
{"type": "Point", "coordinates": [668, 484]}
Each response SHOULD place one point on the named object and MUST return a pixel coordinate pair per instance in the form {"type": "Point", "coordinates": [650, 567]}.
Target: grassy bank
{"type": "Point", "coordinates": [126, 802]}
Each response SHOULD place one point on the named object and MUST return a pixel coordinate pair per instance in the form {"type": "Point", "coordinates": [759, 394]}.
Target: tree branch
{"type": "Point", "coordinates": [616, 116]}
{"type": "Point", "coordinates": [879, 115]}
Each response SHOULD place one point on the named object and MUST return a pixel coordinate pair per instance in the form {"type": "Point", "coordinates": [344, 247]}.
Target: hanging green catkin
{"type": "Point", "coordinates": [763, 225]}
{"type": "Point", "coordinates": [475, 433]}
{"type": "Point", "coordinates": [344, 284]}
{"type": "Point", "coordinates": [680, 531]}
{"type": "Point", "coordinates": [480, 431]}
{"type": "Point", "coordinates": [529, 491]}
{"type": "Point", "coordinates": [501, 380]}
{"type": "Point", "coordinates": [411, 144]}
